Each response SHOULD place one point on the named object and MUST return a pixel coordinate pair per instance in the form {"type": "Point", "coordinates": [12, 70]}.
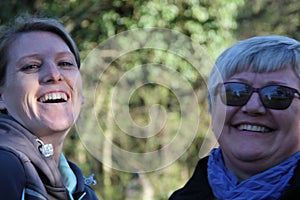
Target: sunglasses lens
{"type": "Point", "coordinates": [273, 96]}
{"type": "Point", "coordinates": [235, 94]}
{"type": "Point", "coordinates": [277, 97]}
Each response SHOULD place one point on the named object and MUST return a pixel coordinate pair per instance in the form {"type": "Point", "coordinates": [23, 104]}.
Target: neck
{"type": "Point", "coordinates": [246, 169]}
{"type": "Point", "coordinates": [57, 143]}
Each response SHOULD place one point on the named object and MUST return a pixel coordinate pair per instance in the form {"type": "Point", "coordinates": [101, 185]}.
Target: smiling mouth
{"type": "Point", "coordinates": [57, 97]}
{"type": "Point", "coordinates": [254, 128]}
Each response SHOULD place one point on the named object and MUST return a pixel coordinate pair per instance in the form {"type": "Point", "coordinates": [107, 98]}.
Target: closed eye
{"type": "Point", "coordinates": [30, 68]}
{"type": "Point", "coordinates": [65, 64]}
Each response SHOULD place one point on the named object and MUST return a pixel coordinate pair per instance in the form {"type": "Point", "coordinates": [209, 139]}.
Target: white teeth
{"type": "Point", "coordinates": [53, 96]}
{"type": "Point", "coordinates": [248, 127]}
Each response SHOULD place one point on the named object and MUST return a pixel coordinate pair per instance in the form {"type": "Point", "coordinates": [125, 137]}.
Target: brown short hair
{"type": "Point", "coordinates": [27, 23]}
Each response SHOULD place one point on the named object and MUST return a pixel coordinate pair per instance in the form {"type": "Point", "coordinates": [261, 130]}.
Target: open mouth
{"type": "Point", "coordinates": [254, 128]}
{"type": "Point", "coordinates": [57, 97]}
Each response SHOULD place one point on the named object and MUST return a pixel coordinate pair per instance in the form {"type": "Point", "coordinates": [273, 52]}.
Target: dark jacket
{"type": "Point", "coordinates": [24, 171]}
{"type": "Point", "coordinates": [197, 187]}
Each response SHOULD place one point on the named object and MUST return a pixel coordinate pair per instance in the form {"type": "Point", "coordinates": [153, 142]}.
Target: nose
{"type": "Point", "coordinates": [50, 73]}
{"type": "Point", "coordinates": [254, 105]}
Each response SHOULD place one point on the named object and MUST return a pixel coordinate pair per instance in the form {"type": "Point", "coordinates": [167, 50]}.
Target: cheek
{"type": "Point", "coordinates": [20, 91]}
{"type": "Point", "coordinates": [77, 93]}
{"type": "Point", "coordinates": [14, 92]}
{"type": "Point", "coordinates": [74, 81]}
{"type": "Point", "coordinates": [19, 101]}
{"type": "Point", "coordinates": [78, 90]}
{"type": "Point", "coordinates": [290, 119]}
{"type": "Point", "coordinates": [219, 114]}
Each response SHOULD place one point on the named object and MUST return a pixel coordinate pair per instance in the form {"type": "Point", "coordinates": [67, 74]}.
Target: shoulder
{"type": "Point", "coordinates": [294, 190]}
{"type": "Point", "coordinates": [10, 164]}
{"type": "Point", "coordinates": [12, 175]}
{"type": "Point", "coordinates": [197, 186]}
{"type": "Point", "coordinates": [90, 193]}
{"type": "Point", "coordinates": [81, 186]}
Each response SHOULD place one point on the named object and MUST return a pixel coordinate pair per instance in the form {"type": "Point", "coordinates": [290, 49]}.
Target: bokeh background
{"type": "Point", "coordinates": [212, 24]}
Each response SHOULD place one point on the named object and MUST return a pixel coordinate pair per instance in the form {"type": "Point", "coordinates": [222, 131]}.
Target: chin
{"type": "Point", "coordinates": [59, 126]}
{"type": "Point", "coordinates": [250, 155]}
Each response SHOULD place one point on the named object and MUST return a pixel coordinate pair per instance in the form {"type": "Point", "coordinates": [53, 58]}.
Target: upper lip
{"type": "Point", "coordinates": [53, 96]}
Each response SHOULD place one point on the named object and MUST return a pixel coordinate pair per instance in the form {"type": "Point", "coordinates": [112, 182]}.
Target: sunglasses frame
{"type": "Point", "coordinates": [223, 95]}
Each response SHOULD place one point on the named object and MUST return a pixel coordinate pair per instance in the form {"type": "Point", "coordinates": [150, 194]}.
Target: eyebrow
{"type": "Point", "coordinates": [65, 53]}
{"type": "Point", "coordinates": [35, 55]}
{"type": "Point", "coordinates": [39, 56]}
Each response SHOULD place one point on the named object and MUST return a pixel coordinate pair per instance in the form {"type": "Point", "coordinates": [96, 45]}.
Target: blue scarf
{"type": "Point", "coordinates": [269, 184]}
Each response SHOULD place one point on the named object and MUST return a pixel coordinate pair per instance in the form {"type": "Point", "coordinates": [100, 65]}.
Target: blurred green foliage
{"type": "Point", "coordinates": [212, 24]}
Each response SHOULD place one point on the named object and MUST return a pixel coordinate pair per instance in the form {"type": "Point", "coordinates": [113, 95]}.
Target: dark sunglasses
{"type": "Point", "coordinates": [276, 97]}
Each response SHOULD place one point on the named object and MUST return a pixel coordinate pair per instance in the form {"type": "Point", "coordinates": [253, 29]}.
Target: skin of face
{"type": "Point", "coordinates": [248, 152]}
{"type": "Point", "coordinates": [40, 66]}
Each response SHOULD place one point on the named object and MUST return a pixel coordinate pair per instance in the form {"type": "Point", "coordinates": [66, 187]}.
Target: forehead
{"type": "Point", "coordinates": [286, 76]}
{"type": "Point", "coordinates": [36, 42]}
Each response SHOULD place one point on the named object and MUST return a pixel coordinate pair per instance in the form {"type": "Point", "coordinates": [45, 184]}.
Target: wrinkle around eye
{"type": "Point", "coordinates": [67, 64]}
{"type": "Point", "coordinates": [30, 68]}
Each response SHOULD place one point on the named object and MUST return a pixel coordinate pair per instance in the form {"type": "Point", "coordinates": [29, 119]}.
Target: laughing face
{"type": "Point", "coordinates": [254, 137]}
{"type": "Point", "coordinates": [43, 86]}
